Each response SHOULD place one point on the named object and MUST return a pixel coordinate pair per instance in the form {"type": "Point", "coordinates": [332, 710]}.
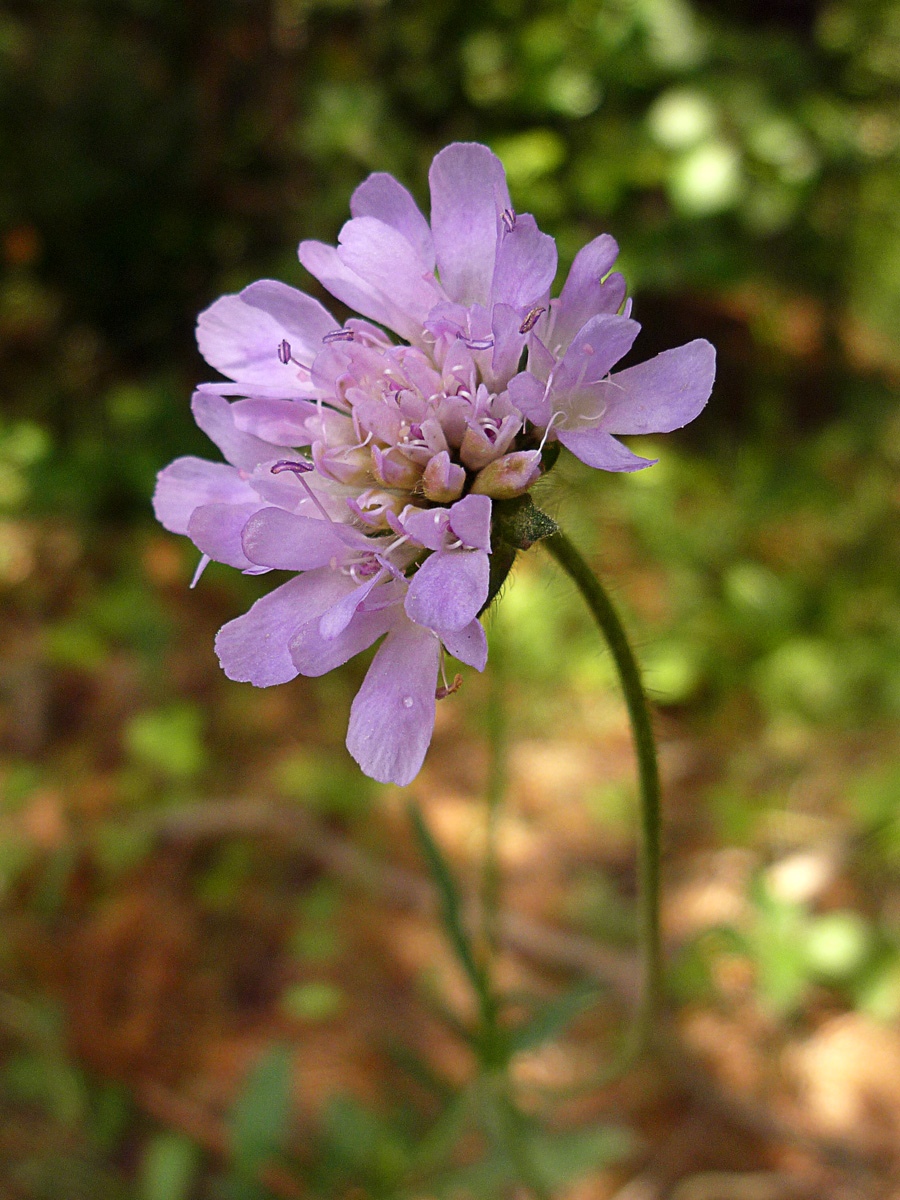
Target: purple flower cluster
{"type": "Point", "coordinates": [369, 466]}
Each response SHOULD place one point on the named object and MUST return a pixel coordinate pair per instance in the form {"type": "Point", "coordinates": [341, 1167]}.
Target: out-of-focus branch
{"type": "Point", "coordinates": [542, 943]}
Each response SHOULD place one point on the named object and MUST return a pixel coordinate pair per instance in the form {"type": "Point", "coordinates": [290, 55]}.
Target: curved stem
{"type": "Point", "coordinates": [648, 772]}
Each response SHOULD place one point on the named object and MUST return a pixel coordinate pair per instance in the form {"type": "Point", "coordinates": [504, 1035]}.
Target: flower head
{"type": "Point", "coordinates": [375, 464]}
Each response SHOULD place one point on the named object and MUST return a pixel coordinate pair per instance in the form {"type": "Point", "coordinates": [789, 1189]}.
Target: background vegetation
{"type": "Point", "coordinates": [205, 991]}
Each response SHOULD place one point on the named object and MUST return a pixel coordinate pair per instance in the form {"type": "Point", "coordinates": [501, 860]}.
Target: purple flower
{"type": "Point", "coordinates": [370, 465]}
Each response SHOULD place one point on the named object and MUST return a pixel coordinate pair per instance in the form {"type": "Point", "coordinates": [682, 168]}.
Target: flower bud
{"type": "Point", "coordinates": [443, 480]}
{"type": "Point", "coordinates": [394, 469]}
{"type": "Point", "coordinates": [509, 476]}
{"type": "Point", "coordinates": [486, 442]}
{"type": "Point", "coordinates": [350, 465]}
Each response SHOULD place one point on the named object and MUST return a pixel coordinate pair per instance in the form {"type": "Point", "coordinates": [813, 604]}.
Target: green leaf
{"type": "Point", "coordinates": [435, 1149]}
{"type": "Point", "coordinates": [259, 1119]}
{"type": "Point", "coordinates": [549, 1020]}
{"type": "Point", "coordinates": [365, 1147]}
{"type": "Point", "coordinates": [315, 1001]}
{"type": "Point", "coordinates": [562, 1157]}
{"type": "Point", "coordinates": [168, 740]}
{"type": "Point", "coordinates": [168, 1168]}
{"type": "Point", "coordinates": [838, 945]}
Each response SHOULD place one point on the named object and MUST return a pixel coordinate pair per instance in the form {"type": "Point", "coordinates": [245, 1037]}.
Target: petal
{"type": "Point", "coordinates": [599, 449]}
{"type": "Point", "coordinates": [382, 197]}
{"type": "Point", "coordinates": [468, 194]}
{"type": "Point", "coordinates": [304, 321]}
{"type": "Point", "coordinates": [282, 422]}
{"type": "Point", "coordinates": [525, 266]}
{"type": "Point", "coordinates": [584, 295]}
{"type": "Point", "coordinates": [315, 655]}
{"type": "Point", "coordinates": [189, 482]}
{"type": "Point", "coordinates": [263, 391]}
{"type": "Point", "coordinates": [254, 648]}
{"type": "Point", "coordinates": [240, 335]}
{"type": "Point", "coordinates": [594, 351]}
{"type": "Point", "coordinates": [427, 526]}
{"type": "Point", "coordinates": [663, 393]}
{"type": "Point", "coordinates": [214, 416]}
{"type": "Point", "coordinates": [324, 263]}
{"type": "Point", "coordinates": [470, 520]}
{"type": "Point", "coordinates": [508, 346]}
{"type": "Point", "coordinates": [215, 529]}
{"type": "Point", "coordinates": [275, 538]}
{"type": "Point", "coordinates": [448, 590]}
{"type": "Point", "coordinates": [384, 258]}
{"type": "Point", "coordinates": [531, 398]}
{"type": "Point", "coordinates": [392, 717]}
{"type": "Point", "coordinates": [334, 621]}
{"type": "Point", "coordinates": [468, 644]}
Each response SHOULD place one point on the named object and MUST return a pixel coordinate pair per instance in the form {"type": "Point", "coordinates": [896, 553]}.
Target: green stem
{"type": "Point", "coordinates": [648, 772]}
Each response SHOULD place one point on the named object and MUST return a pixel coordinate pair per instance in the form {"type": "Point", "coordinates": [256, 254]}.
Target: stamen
{"type": "Point", "coordinates": [531, 320]}
{"type": "Point", "coordinates": [443, 692]}
{"type": "Point", "coordinates": [362, 569]}
{"type": "Point", "coordinates": [299, 467]}
{"type": "Point", "coordinates": [588, 352]}
{"type": "Point", "coordinates": [558, 413]}
{"type": "Point", "coordinates": [508, 217]}
{"type": "Point", "coordinates": [338, 335]}
{"type": "Point", "coordinates": [286, 357]}
{"type": "Point", "coordinates": [479, 343]}
{"type": "Point", "coordinates": [490, 427]}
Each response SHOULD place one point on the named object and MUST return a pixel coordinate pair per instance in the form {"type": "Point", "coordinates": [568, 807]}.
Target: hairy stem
{"type": "Point", "coordinates": [648, 774]}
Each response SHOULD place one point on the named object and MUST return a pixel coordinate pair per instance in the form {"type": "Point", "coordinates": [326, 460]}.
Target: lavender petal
{"type": "Point", "coordinates": [392, 717]}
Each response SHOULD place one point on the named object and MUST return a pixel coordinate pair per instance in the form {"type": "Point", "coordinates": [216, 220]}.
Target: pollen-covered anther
{"type": "Point", "coordinates": [509, 476]}
{"type": "Point", "coordinates": [443, 480]}
{"type": "Point", "coordinates": [301, 466]}
{"type": "Point", "coordinates": [448, 689]}
{"type": "Point", "coordinates": [531, 320]}
{"type": "Point", "coordinates": [338, 335]}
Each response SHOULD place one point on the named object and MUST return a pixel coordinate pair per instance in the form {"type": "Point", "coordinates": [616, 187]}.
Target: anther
{"type": "Point", "coordinates": [508, 217]}
{"type": "Point", "coordinates": [298, 467]}
{"type": "Point", "coordinates": [442, 693]}
{"type": "Point", "coordinates": [338, 335]}
{"type": "Point", "coordinates": [531, 320]}
{"type": "Point", "coordinates": [479, 343]}
{"type": "Point", "coordinates": [286, 357]}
